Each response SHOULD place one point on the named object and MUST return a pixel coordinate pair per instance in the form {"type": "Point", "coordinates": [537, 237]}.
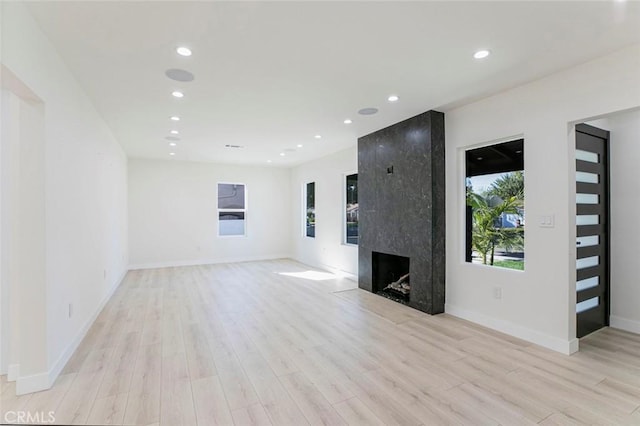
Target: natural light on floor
{"type": "Point", "coordinates": [311, 275]}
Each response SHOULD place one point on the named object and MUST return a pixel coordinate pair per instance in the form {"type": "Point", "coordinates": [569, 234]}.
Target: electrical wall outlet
{"type": "Point", "coordinates": [497, 292]}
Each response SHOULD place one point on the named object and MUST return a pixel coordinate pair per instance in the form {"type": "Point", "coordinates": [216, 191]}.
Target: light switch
{"type": "Point", "coordinates": [546, 221]}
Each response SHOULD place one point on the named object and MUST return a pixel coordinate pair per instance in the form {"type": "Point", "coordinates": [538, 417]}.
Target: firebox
{"type": "Point", "coordinates": [391, 277]}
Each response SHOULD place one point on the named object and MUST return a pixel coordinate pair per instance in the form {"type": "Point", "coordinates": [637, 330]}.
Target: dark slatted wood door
{"type": "Point", "coordinates": [592, 221]}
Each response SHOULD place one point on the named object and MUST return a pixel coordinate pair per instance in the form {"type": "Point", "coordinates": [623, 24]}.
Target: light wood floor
{"type": "Point", "coordinates": [271, 343]}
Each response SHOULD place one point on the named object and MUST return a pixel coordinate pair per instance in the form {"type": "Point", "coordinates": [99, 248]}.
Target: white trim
{"type": "Point", "coordinates": [566, 347]}
{"type": "Point", "coordinates": [33, 383]}
{"type": "Point", "coordinates": [62, 360]}
{"type": "Point", "coordinates": [196, 262]}
{"type": "Point", "coordinates": [13, 372]}
{"type": "Point", "coordinates": [624, 324]}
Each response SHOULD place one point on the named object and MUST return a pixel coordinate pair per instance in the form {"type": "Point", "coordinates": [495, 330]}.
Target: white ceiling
{"type": "Point", "coordinates": [270, 76]}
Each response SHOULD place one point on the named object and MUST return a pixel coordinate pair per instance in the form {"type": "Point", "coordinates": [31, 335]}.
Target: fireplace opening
{"type": "Point", "coordinates": [391, 277]}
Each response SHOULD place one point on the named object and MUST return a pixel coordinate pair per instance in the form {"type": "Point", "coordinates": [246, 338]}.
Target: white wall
{"type": "Point", "coordinates": [327, 249]}
{"type": "Point", "coordinates": [23, 236]}
{"type": "Point", "coordinates": [24, 184]}
{"type": "Point", "coordinates": [625, 226]}
{"type": "Point", "coordinates": [539, 303]}
{"type": "Point", "coordinates": [85, 235]}
{"type": "Point", "coordinates": [173, 213]}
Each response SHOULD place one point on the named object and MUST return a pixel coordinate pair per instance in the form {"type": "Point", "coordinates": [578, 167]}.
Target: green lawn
{"type": "Point", "coordinates": [511, 264]}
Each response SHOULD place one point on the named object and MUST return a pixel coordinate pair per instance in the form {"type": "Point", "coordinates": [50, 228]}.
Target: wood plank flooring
{"type": "Point", "coordinates": [275, 343]}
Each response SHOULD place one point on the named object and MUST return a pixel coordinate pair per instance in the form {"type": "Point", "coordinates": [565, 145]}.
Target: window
{"type": "Point", "coordinates": [495, 205]}
{"type": "Point", "coordinates": [310, 210]}
{"type": "Point", "coordinates": [231, 209]}
{"type": "Point", "coordinates": [351, 210]}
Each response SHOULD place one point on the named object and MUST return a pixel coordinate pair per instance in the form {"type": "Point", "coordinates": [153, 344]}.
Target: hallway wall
{"type": "Point", "coordinates": [624, 151]}
{"type": "Point", "coordinates": [83, 170]}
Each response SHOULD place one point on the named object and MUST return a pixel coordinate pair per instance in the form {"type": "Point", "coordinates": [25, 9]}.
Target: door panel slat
{"type": "Point", "coordinates": [586, 166]}
{"type": "Point", "coordinates": [589, 251]}
{"type": "Point", "coordinates": [590, 209]}
{"type": "Point", "coordinates": [585, 230]}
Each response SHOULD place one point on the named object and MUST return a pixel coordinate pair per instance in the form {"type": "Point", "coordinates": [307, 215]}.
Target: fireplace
{"type": "Point", "coordinates": [390, 275]}
{"type": "Point", "coordinates": [401, 198]}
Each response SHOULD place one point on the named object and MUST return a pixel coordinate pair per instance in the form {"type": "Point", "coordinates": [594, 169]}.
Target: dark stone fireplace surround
{"type": "Point", "coordinates": [401, 197]}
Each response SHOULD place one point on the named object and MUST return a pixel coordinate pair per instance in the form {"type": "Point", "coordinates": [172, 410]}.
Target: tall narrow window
{"type": "Point", "coordinates": [310, 209]}
{"type": "Point", "coordinates": [495, 205]}
{"type": "Point", "coordinates": [351, 211]}
{"type": "Point", "coordinates": [231, 209]}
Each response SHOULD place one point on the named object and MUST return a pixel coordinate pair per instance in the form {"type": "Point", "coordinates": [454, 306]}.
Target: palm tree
{"type": "Point", "coordinates": [508, 185]}
{"type": "Point", "coordinates": [487, 234]}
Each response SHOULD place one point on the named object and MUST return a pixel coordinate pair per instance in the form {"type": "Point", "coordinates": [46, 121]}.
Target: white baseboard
{"type": "Point", "coordinates": [13, 372]}
{"type": "Point", "coordinates": [566, 347]}
{"type": "Point", "coordinates": [34, 383]}
{"type": "Point", "coordinates": [624, 324]}
{"type": "Point", "coordinates": [46, 380]}
{"type": "Point", "coordinates": [197, 262]}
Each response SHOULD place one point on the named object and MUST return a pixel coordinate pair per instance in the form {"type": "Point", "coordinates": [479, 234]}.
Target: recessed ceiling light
{"type": "Point", "coordinates": [183, 51]}
{"type": "Point", "coordinates": [480, 158]}
{"type": "Point", "coordinates": [268, 161]}
{"type": "Point", "coordinates": [299, 145]}
{"type": "Point", "coordinates": [368, 111]}
{"type": "Point", "coordinates": [177, 94]}
{"type": "Point", "coordinates": [480, 54]}
{"type": "Point", "coordinates": [282, 154]}
{"type": "Point", "coordinates": [347, 121]}
{"type": "Point", "coordinates": [318, 137]}
{"type": "Point", "coordinates": [175, 118]}
{"type": "Point", "coordinates": [174, 132]}
{"type": "Point", "coordinates": [172, 153]}
{"type": "Point", "coordinates": [172, 144]}
{"type": "Point", "coordinates": [393, 98]}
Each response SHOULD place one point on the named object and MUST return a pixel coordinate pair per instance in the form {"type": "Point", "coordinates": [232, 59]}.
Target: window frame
{"type": "Point", "coordinates": [305, 207]}
{"type": "Point", "coordinates": [244, 211]}
{"type": "Point", "coordinates": [344, 210]}
{"type": "Point", "coordinates": [462, 163]}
